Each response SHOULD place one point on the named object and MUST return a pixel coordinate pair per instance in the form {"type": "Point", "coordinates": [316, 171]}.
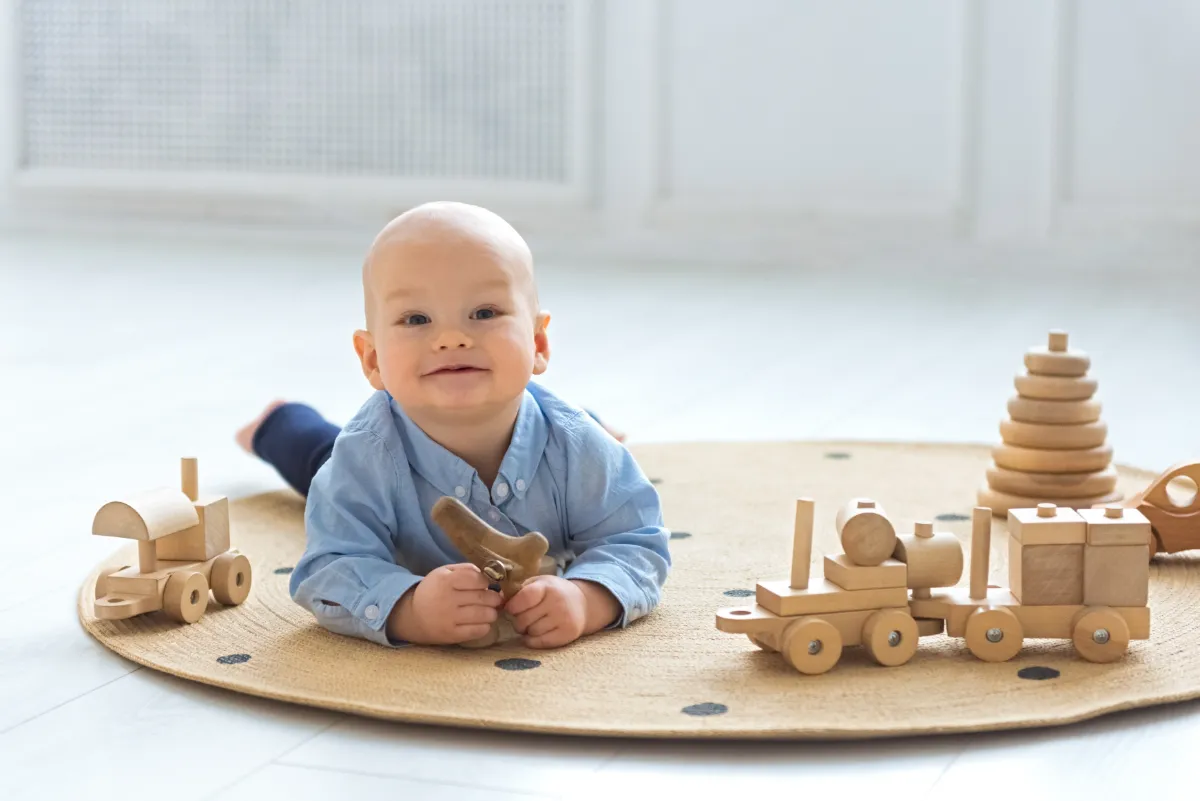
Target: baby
{"type": "Point", "coordinates": [454, 334]}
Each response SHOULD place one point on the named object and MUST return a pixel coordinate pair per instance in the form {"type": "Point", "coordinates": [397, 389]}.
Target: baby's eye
{"type": "Point", "coordinates": [485, 314]}
{"type": "Point", "coordinates": [416, 318]}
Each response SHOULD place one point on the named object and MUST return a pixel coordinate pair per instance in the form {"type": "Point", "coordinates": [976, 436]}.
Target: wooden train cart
{"type": "Point", "coordinates": [183, 550]}
{"type": "Point", "coordinates": [1079, 576]}
{"type": "Point", "coordinates": [862, 599]}
{"type": "Point", "coordinates": [860, 603]}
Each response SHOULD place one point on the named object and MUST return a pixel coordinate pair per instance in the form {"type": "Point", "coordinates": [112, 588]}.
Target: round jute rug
{"type": "Point", "coordinates": [672, 674]}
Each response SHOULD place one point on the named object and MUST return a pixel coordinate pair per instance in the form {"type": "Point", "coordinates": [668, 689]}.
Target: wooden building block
{"type": "Point", "coordinates": [1114, 525]}
{"type": "Point", "coordinates": [824, 596]}
{"type": "Point", "coordinates": [933, 559]}
{"type": "Point", "coordinates": [1050, 575]}
{"type": "Point", "coordinates": [849, 576]}
{"type": "Point", "coordinates": [1051, 437]}
{"type": "Point", "coordinates": [1116, 575]}
{"type": "Point", "coordinates": [1050, 387]}
{"type": "Point", "coordinates": [1039, 460]}
{"type": "Point", "coordinates": [1052, 485]}
{"type": "Point", "coordinates": [203, 541]}
{"type": "Point", "coordinates": [1047, 524]}
{"type": "Point", "coordinates": [867, 535]}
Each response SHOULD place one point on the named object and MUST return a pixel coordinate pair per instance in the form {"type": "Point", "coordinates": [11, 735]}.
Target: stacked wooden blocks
{"type": "Point", "coordinates": [1054, 442]}
{"type": "Point", "coordinates": [1092, 557]}
{"type": "Point", "coordinates": [862, 600]}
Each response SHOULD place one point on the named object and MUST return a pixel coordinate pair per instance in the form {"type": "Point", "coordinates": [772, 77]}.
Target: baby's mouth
{"type": "Point", "coordinates": [457, 369]}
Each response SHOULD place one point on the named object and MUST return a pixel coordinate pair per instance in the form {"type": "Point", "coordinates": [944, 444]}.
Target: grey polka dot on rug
{"type": "Point", "coordinates": [283, 571]}
{"type": "Point", "coordinates": [517, 664]}
{"type": "Point", "coordinates": [949, 517]}
{"type": "Point", "coordinates": [739, 593]}
{"type": "Point", "coordinates": [837, 455]}
{"type": "Point", "coordinates": [1038, 673]}
{"type": "Point", "coordinates": [705, 709]}
{"type": "Point", "coordinates": [656, 481]}
{"type": "Point", "coordinates": [233, 659]}
{"type": "Point", "coordinates": [680, 535]}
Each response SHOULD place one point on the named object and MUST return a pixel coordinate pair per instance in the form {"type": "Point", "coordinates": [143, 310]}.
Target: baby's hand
{"type": "Point", "coordinates": [548, 611]}
{"type": "Point", "coordinates": [452, 604]}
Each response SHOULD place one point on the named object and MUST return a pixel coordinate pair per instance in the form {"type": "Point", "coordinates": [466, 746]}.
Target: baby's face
{"type": "Point", "coordinates": [454, 324]}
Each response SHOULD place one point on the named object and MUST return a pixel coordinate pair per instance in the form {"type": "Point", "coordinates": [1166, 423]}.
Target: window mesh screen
{"type": "Point", "coordinates": [450, 89]}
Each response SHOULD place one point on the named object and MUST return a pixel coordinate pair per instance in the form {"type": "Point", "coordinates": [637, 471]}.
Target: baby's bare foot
{"type": "Point", "coordinates": [245, 434]}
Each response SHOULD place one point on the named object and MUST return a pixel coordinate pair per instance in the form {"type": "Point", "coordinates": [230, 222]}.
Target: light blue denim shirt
{"type": "Point", "coordinates": [370, 536]}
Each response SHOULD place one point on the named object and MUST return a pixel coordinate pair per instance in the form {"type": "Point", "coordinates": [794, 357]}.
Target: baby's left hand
{"type": "Point", "coordinates": [548, 611]}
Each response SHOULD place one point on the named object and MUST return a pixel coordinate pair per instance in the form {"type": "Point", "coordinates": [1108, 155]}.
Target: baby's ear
{"type": "Point", "coordinates": [541, 343]}
{"type": "Point", "coordinates": [364, 346]}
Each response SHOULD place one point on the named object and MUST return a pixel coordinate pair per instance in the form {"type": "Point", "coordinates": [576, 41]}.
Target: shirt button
{"type": "Point", "coordinates": [460, 492]}
{"type": "Point", "coordinates": [501, 490]}
{"type": "Point", "coordinates": [371, 612]}
{"type": "Point", "coordinates": [494, 514]}
{"type": "Point", "coordinates": [520, 484]}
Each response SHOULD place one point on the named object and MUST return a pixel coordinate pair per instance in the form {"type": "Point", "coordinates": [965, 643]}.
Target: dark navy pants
{"type": "Point", "coordinates": [296, 440]}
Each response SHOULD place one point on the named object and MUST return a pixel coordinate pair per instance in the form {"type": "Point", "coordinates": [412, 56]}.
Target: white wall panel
{"type": "Point", "coordinates": [852, 105]}
{"type": "Point", "coordinates": [1135, 105]}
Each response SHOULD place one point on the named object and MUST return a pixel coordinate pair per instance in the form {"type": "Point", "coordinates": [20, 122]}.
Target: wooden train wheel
{"type": "Point", "coordinates": [811, 645]}
{"type": "Point", "coordinates": [185, 598]}
{"type": "Point", "coordinates": [994, 634]}
{"type": "Point", "coordinates": [890, 637]}
{"type": "Point", "coordinates": [231, 578]}
{"type": "Point", "coordinates": [1100, 634]}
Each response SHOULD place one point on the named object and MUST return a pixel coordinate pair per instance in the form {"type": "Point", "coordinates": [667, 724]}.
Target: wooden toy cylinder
{"type": "Point", "coordinates": [189, 477]}
{"type": "Point", "coordinates": [981, 544]}
{"type": "Point", "coordinates": [935, 561]}
{"type": "Point", "coordinates": [867, 536]}
{"type": "Point", "coordinates": [802, 544]}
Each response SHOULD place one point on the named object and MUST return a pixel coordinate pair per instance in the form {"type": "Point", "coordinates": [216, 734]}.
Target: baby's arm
{"type": "Point", "coordinates": [614, 525]}
{"type": "Point", "coordinates": [348, 576]}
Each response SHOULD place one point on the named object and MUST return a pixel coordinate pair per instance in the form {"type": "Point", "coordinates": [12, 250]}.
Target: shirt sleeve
{"type": "Point", "coordinates": [615, 523]}
{"type": "Point", "coordinates": [348, 576]}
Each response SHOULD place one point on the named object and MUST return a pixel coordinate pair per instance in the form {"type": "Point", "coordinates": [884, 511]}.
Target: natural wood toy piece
{"type": "Point", "coordinates": [183, 550]}
{"type": "Point", "coordinates": [507, 561]}
{"type": "Point", "coordinates": [1175, 522]}
{"type": "Point", "coordinates": [1078, 576]}
{"type": "Point", "coordinates": [995, 621]}
{"type": "Point", "coordinates": [1053, 442]}
{"type": "Point", "coordinates": [865, 531]}
{"type": "Point", "coordinates": [854, 604]}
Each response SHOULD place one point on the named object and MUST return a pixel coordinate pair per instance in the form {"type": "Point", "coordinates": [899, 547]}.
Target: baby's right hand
{"type": "Point", "coordinates": [452, 604]}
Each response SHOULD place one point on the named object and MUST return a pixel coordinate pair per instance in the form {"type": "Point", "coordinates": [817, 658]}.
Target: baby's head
{"type": "Point", "coordinates": [453, 328]}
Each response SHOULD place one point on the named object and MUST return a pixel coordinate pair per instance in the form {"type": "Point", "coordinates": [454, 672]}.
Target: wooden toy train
{"type": "Point", "coordinates": [183, 551]}
{"type": "Point", "coordinates": [1076, 575]}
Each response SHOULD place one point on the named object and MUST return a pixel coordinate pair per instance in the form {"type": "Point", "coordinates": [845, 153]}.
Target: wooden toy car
{"type": "Point", "coordinates": [1082, 576]}
{"type": "Point", "coordinates": [1175, 524]}
{"type": "Point", "coordinates": [183, 550]}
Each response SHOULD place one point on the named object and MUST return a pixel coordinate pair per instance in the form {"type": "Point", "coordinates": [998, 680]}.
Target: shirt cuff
{"type": "Point", "coordinates": [614, 579]}
{"type": "Point", "coordinates": [376, 604]}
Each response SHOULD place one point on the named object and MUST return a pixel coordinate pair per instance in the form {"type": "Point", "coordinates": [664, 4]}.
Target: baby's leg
{"type": "Point", "coordinates": [291, 437]}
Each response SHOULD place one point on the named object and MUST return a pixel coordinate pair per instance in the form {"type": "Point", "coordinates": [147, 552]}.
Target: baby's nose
{"type": "Point", "coordinates": [451, 338]}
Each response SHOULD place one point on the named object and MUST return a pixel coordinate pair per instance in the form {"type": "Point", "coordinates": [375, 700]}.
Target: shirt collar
{"type": "Point", "coordinates": [448, 473]}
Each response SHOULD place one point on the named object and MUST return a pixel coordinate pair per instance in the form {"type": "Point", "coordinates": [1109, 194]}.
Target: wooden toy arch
{"type": "Point", "coordinates": [146, 516]}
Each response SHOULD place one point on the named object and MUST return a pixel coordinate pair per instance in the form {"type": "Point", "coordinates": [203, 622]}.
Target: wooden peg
{"type": "Point", "coordinates": [802, 543]}
{"type": "Point", "coordinates": [923, 529]}
{"type": "Point", "coordinates": [189, 478]}
{"type": "Point", "coordinates": [981, 543]}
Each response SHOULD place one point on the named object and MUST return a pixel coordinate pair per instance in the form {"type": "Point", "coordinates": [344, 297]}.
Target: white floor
{"type": "Point", "coordinates": [117, 357]}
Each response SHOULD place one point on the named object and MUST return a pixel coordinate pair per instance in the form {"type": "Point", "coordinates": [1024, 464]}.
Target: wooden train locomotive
{"type": "Point", "coordinates": [1082, 576]}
